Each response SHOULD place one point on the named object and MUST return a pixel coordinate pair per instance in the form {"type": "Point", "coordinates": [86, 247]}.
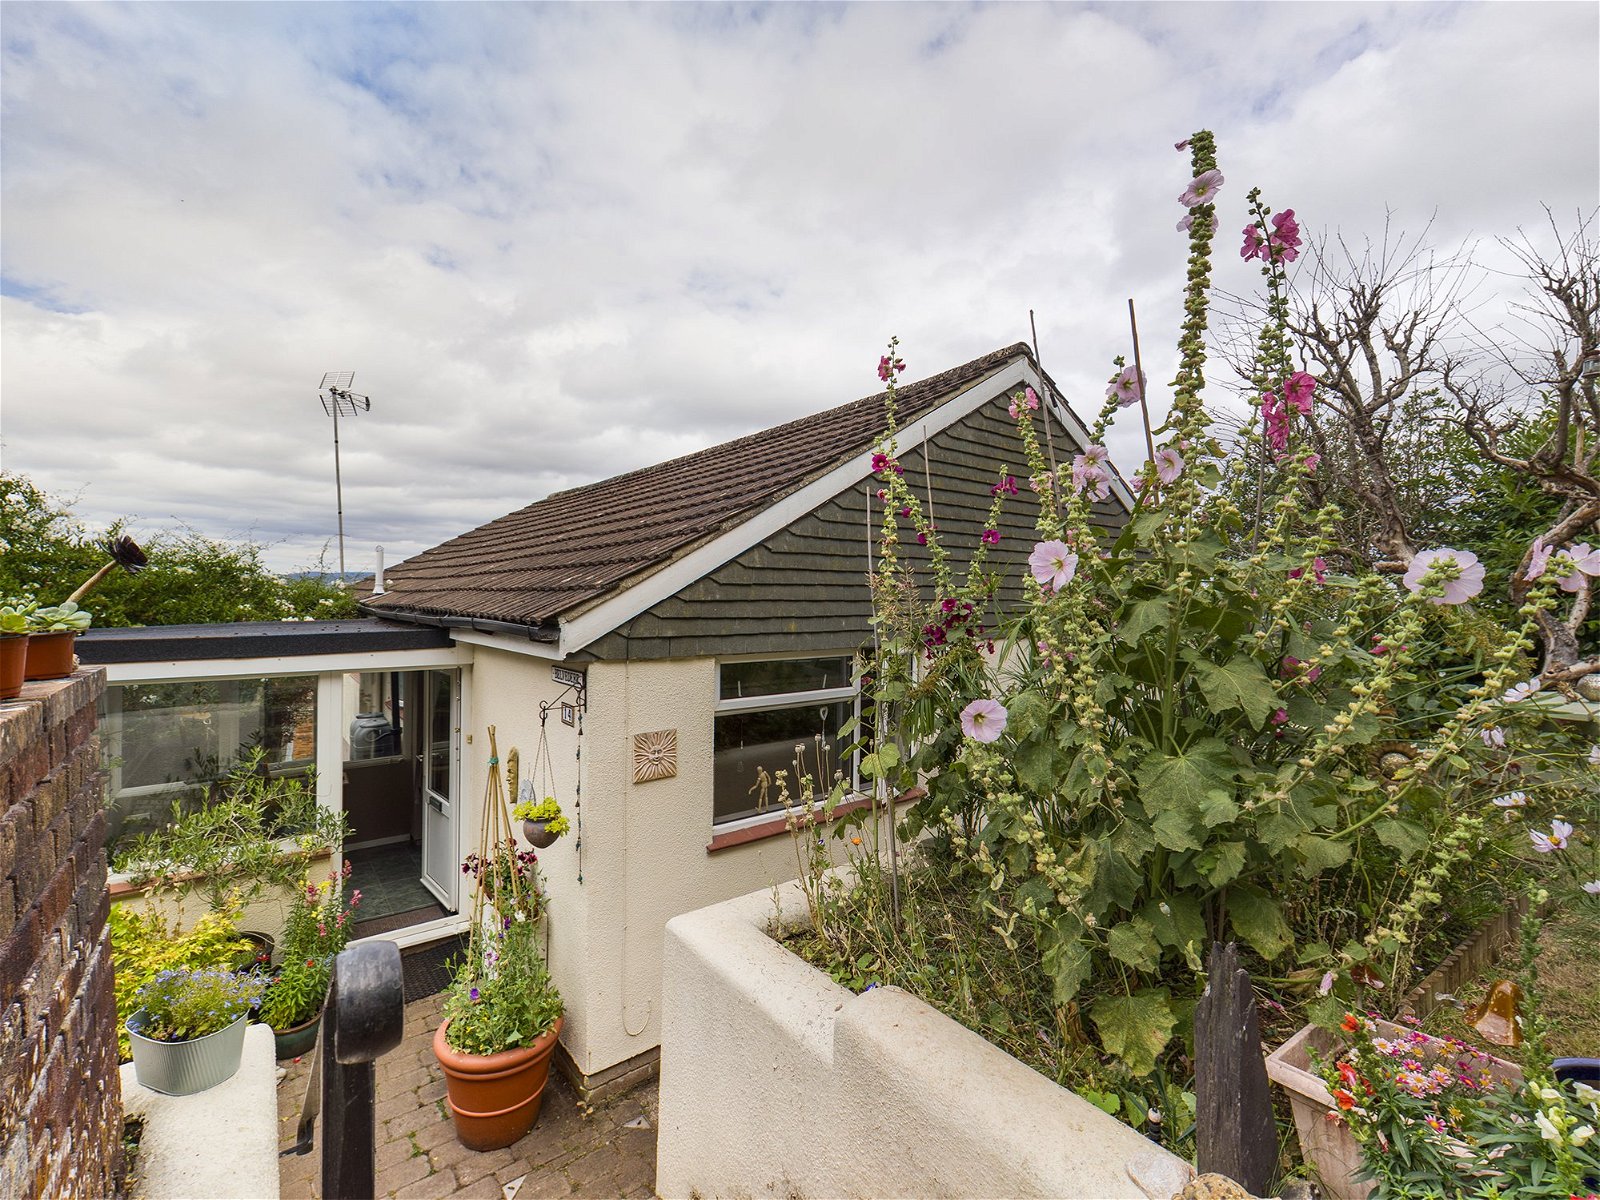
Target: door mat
{"type": "Point", "coordinates": [426, 969]}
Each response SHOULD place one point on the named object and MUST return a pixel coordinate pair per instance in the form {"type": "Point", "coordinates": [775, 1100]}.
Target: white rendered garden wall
{"type": "Point", "coordinates": [775, 1081]}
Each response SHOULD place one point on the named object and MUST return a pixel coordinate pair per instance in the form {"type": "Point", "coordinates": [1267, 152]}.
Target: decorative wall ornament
{"type": "Point", "coordinates": [655, 755]}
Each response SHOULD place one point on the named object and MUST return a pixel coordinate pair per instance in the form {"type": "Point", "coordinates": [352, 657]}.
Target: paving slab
{"type": "Point", "coordinates": [574, 1149]}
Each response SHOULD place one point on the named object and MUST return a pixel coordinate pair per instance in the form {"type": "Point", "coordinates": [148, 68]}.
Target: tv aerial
{"type": "Point", "coordinates": [339, 401]}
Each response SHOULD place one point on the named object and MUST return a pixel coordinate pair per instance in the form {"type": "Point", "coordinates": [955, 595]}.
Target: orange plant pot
{"type": "Point", "coordinates": [495, 1098]}
{"type": "Point", "coordinates": [50, 654]}
{"type": "Point", "coordinates": [13, 664]}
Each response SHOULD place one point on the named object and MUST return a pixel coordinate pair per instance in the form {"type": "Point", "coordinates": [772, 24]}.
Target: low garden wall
{"type": "Point", "coordinates": [60, 1104]}
{"type": "Point", "coordinates": [775, 1081]}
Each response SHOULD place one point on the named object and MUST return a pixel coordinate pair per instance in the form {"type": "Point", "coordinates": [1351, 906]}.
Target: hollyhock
{"type": "Point", "coordinates": [1202, 189]}
{"type": "Point", "coordinates": [1538, 560]}
{"type": "Point", "coordinates": [1255, 246]}
{"type": "Point", "coordinates": [1313, 461]}
{"type": "Point", "coordinates": [1093, 479]}
{"type": "Point", "coordinates": [1125, 387]}
{"type": "Point", "coordinates": [1008, 485]}
{"type": "Point", "coordinates": [1092, 454]}
{"type": "Point", "coordinates": [983, 720]}
{"type": "Point", "coordinates": [1169, 464]}
{"type": "Point", "coordinates": [1285, 236]}
{"type": "Point", "coordinates": [1545, 843]}
{"type": "Point", "coordinates": [889, 367]}
{"type": "Point", "coordinates": [991, 537]}
{"type": "Point", "coordinates": [1028, 401]}
{"type": "Point", "coordinates": [1468, 571]}
{"type": "Point", "coordinates": [1585, 562]}
{"type": "Point", "coordinates": [1275, 421]}
{"type": "Point", "coordinates": [1297, 391]}
{"type": "Point", "coordinates": [1053, 564]}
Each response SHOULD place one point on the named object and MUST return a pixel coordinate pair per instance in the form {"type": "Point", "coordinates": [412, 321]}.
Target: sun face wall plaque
{"type": "Point", "coordinates": [655, 755]}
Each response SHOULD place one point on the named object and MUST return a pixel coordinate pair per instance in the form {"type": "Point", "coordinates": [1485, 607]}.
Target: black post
{"type": "Point", "coordinates": [364, 1018]}
{"type": "Point", "coordinates": [1234, 1132]}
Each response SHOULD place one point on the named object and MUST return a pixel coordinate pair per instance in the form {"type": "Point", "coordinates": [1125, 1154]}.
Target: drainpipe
{"type": "Point", "coordinates": [377, 576]}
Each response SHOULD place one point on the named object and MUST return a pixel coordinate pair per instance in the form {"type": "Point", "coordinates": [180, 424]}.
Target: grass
{"type": "Point", "coordinates": [1567, 966]}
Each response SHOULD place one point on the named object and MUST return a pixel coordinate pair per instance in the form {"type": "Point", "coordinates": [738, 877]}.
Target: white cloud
{"type": "Point", "coordinates": [555, 242]}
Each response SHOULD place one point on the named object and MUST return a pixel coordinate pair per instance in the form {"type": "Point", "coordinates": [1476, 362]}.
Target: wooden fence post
{"type": "Point", "coordinates": [1234, 1131]}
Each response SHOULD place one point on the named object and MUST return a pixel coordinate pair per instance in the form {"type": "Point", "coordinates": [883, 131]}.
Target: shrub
{"type": "Point", "coordinates": [143, 945]}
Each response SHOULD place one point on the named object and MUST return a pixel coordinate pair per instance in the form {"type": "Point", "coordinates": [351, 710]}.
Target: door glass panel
{"type": "Point", "coordinates": [439, 732]}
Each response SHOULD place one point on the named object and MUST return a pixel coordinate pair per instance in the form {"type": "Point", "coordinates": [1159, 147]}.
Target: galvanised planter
{"type": "Point", "coordinates": [184, 1068]}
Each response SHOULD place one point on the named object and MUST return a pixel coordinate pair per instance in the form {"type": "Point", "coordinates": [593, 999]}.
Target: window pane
{"type": "Point", "coordinates": [748, 743]}
{"type": "Point", "coordinates": [171, 741]}
{"type": "Point", "coordinates": [440, 684]}
{"type": "Point", "coordinates": [787, 675]}
{"type": "Point", "coordinates": [373, 729]}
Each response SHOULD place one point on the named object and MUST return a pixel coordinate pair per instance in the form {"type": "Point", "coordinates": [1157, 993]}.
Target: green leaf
{"type": "Point", "coordinates": [1407, 837]}
{"type": "Point", "coordinates": [1217, 808]}
{"type": "Point", "coordinates": [1135, 1028]}
{"type": "Point", "coordinates": [1035, 763]}
{"type": "Point", "coordinates": [1222, 863]}
{"type": "Point", "coordinates": [1174, 830]}
{"type": "Point", "coordinates": [1133, 942]}
{"type": "Point", "coordinates": [1239, 683]}
{"type": "Point", "coordinates": [1319, 854]}
{"type": "Point", "coordinates": [1066, 961]}
{"type": "Point", "coordinates": [1258, 919]}
{"type": "Point", "coordinates": [1142, 618]}
{"type": "Point", "coordinates": [1181, 926]}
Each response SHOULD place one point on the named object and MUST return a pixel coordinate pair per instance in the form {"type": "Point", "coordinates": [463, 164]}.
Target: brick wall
{"type": "Point", "coordinates": [60, 1101]}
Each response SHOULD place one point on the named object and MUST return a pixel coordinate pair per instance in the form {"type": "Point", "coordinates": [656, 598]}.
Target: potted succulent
{"type": "Point", "coordinates": [13, 645]}
{"type": "Point", "coordinates": [318, 926]}
{"type": "Point", "coordinates": [542, 822]}
{"type": "Point", "coordinates": [502, 1013]}
{"type": "Point", "coordinates": [188, 1031]}
{"type": "Point", "coordinates": [53, 631]}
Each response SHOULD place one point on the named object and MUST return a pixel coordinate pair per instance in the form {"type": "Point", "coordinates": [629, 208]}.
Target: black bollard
{"type": "Point", "coordinates": [364, 1018]}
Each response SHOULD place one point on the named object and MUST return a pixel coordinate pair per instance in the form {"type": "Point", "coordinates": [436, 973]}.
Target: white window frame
{"type": "Point", "coordinates": [775, 702]}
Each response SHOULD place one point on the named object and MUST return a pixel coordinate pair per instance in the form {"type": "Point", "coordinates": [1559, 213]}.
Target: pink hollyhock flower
{"type": "Point", "coordinates": [1029, 400]}
{"type": "Point", "coordinates": [888, 367]}
{"type": "Point", "coordinates": [1008, 486]}
{"type": "Point", "coordinates": [1558, 837]}
{"type": "Point", "coordinates": [1468, 571]}
{"type": "Point", "coordinates": [991, 537]}
{"type": "Point", "coordinates": [1255, 246]}
{"type": "Point", "coordinates": [1538, 560]}
{"type": "Point", "coordinates": [1169, 464]}
{"type": "Point", "coordinates": [1183, 145]}
{"type": "Point", "coordinates": [1053, 564]}
{"type": "Point", "coordinates": [1313, 461]}
{"type": "Point", "coordinates": [1092, 454]}
{"type": "Point", "coordinates": [1285, 242]}
{"type": "Point", "coordinates": [1125, 387]}
{"type": "Point", "coordinates": [1275, 422]}
{"type": "Point", "coordinates": [1585, 562]}
{"type": "Point", "coordinates": [983, 720]}
{"type": "Point", "coordinates": [1297, 392]}
{"type": "Point", "coordinates": [1281, 717]}
{"type": "Point", "coordinates": [1093, 479]}
{"type": "Point", "coordinates": [1202, 189]}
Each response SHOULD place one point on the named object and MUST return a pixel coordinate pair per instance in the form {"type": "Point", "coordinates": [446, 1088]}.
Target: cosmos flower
{"type": "Point", "coordinates": [1467, 570]}
{"type": "Point", "coordinates": [983, 720]}
{"type": "Point", "coordinates": [1493, 737]}
{"type": "Point", "coordinates": [1558, 837]}
{"type": "Point", "coordinates": [1512, 800]}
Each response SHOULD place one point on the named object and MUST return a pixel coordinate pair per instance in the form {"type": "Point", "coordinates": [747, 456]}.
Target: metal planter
{"type": "Point", "coordinates": [184, 1068]}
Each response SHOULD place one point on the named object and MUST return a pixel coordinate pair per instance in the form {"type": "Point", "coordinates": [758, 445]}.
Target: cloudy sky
{"type": "Point", "coordinates": [555, 242]}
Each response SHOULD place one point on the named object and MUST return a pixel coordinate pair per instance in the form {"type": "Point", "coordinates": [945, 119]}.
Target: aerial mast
{"type": "Point", "coordinates": [338, 400]}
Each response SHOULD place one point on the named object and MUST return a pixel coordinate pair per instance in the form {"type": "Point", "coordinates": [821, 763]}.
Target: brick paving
{"type": "Point", "coordinates": [573, 1150]}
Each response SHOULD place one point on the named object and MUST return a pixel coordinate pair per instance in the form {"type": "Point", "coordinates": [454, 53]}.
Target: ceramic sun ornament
{"type": "Point", "coordinates": [655, 755]}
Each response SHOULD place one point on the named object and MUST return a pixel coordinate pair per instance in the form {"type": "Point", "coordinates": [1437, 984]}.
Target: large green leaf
{"type": "Point", "coordinates": [1258, 919]}
{"type": "Point", "coordinates": [1134, 943]}
{"type": "Point", "coordinates": [1178, 923]}
{"type": "Point", "coordinates": [1238, 683]}
{"type": "Point", "coordinates": [1066, 961]}
{"type": "Point", "coordinates": [1142, 618]}
{"type": "Point", "coordinates": [1407, 837]}
{"type": "Point", "coordinates": [1221, 863]}
{"type": "Point", "coordinates": [1035, 764]}
{"type": "Point", "coordinates": [1135, 1028]}
{"type": "Point", "coordinates": [1319, 854]}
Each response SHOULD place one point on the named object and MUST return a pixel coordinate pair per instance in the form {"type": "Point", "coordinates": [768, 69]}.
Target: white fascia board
{"type": "Point", "coordinates": [600, 620]}
{"type": "Point", "coordinates": [510, 643]}
{"type": "Point", "coordinates": [306, 664]}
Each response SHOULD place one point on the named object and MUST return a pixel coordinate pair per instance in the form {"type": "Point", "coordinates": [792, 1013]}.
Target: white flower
{"type": "Point", "coordinates": [1522, 691]}
{"type": "Point", "coordinates": [1546, 1130]}
{"type": "Point", "coordinates": [1581, 1134]}
{"type": "Point", "coordinates": [1493, 737]}
{"type": "Point", "coordinates": [1589, 1095]}
{"type": "Point", "coordinates": [1592, 887]}
{"type": "Point", "coordinates": [1512, 800]}
{"type": "Point", "coordinates": [1556, 839]}
{"type": "Point", "coordinates": [1594, 755]}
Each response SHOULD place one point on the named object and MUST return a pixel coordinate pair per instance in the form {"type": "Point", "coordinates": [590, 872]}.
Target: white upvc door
{"type": "Point", "coordinates": [441, 774]}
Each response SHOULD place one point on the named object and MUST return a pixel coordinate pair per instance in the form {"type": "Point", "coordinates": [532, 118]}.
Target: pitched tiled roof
{"type": "Point", "coordinates": [573, 547]}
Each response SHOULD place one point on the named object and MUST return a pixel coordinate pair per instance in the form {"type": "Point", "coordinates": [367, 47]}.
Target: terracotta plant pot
{"type": "Point", "coordinates": [13, 664]}
{"type": "Point", "coordinates": [495, 1098]}
{"type": "Point", "coordinates": [539, 835]}
{"type": "Point", "coordinates": [50, 654]}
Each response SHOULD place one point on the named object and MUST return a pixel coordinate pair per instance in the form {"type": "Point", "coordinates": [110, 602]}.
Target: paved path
{"type": "Point", "coordinates": [574, 1150]}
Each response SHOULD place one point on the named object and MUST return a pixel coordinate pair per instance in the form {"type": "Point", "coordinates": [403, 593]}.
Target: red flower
{"type": "Point", "coordinates": [1343, 1099]}
{"type": "Point", "coordinates": [1351, 1023]}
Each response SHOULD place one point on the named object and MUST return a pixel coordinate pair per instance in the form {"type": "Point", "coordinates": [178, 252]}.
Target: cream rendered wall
{"type": "Point", "coordinates": [504, 691]}
{"type": "Point", "coordinates": [645, 858]}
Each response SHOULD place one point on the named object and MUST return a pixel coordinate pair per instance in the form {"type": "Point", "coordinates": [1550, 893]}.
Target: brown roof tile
{"type": "Point", "coordinates": [572, 547]}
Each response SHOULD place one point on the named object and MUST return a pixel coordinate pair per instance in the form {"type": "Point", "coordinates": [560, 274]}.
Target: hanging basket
{"type": "Point", "coordinates": [538, 834]}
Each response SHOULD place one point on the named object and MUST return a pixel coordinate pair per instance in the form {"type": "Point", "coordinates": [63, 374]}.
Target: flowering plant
{"type": "Point", "coordinates": [501, 997]}
{"type": "Point", "coordinates": [509, 878]}
{"type": "Point", "coordinates": [1196, 726]}
{"type": "Point", "coordinates": [181, 1005]}
{"type": "Point", "coordinates": [319, 924]}
{"type": "Point", "coordinates": [546, 810]}
{"type": "Point", "coordinates": [1437, 1117]}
